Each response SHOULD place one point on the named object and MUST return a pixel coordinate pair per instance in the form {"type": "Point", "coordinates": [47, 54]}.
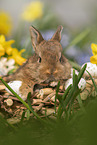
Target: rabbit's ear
{"type": "Point", "coordinates": [36, 37]}
{"type": "Point", "coordinates": [57, 35]}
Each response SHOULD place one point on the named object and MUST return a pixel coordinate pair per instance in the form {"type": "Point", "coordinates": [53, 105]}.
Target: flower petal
{"type": "Point", "coordinates": [3, 60]}
{"type": "Point", "coordinates": [15, 51]}
{"type": "Point", "coordinates": [33, 11]}
{"type": "Point", "coordinates": [16, 55]}
{"type": "Point", "coordinates": [94, 48]}
{"type": "Point", "coordinates": [2, 39]}
{"type": "Point", "coordinates": [21, 51]}
{"type": "Point", "coordinates": [8, 43]}
{"type": "Point", "coordinates": [19, 60]}
{"type": "Point", "coordinates": [2, 50]}
{"type": "Point", "coordinates": [5, 23]}
{"type": "Point", "coordinates": [9, 50]}
{"type": "Point", "coordinates": [10, 62]}
{"type": "Point", "coordinates": [93, 59]}
{"type": "Point", "coordinates": [10, 68]}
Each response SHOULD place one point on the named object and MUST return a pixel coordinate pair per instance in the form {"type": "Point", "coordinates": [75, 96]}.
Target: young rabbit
{"type": "Point", "coordinates": [46, 65]}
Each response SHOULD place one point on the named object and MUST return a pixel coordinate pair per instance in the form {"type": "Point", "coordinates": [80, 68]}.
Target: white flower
{"type": "Point", "coordinates": [6, 66]}
{"type": "Point", "coordinates": [91, 68]}
{"type": "Point", "coordinates": [10, 62]}
{"type": "Point", "coordinates": [81, 84]}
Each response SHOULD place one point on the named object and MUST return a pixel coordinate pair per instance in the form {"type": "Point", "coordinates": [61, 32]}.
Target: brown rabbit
{"type": "Point", "coordinates": [46, 65]}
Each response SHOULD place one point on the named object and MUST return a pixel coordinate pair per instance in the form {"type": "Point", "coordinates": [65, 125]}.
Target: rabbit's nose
{"type": "Point", "coordinates": [51, 72]}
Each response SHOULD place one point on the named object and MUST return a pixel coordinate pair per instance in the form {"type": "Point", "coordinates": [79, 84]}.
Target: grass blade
{"type": "Point", "coordinates": [80, 102]}
{"type": "Point", "coordinates": [30, 106]}
{"type": "Point", "coordinates": [60, 109]}
{"type": "Point", "coordinates": [57, 90]}
{"type": "Point", "coordinates": [81, 72]}
{"type": "Point", "coordinates": [23, 116]}
{"type": "Point", "coordinates": [92, 80]}
{"type": "Point", "coordinates": [66, 92]}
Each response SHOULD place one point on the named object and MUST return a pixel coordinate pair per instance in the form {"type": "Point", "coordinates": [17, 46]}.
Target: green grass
{"type": "Point", "coordinates": [67, 100]}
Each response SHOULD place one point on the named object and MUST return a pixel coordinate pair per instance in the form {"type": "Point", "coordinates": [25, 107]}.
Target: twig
{"type": "Point", "coordinates": [45, 100]}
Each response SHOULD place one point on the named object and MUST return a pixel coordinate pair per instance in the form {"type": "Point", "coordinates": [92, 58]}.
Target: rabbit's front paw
{"type": "Point", "coordinates": [20, 88]}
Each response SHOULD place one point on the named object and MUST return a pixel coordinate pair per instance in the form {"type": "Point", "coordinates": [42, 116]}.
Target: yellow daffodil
{"type": "Point", "coordinates": [94, 48]}
{"type": "Point", "coordinates": [33, 11]}
{"type": "Point", "coordinates": [2, 39]}
{"type": "Point", "coordinates": [5, 46]}
{"type": "Point", "coordinates": [2, 50]}
{"type": "Point", "coordinates": [9, 50]}
{"type": "Point", "coordinates": [5, 23]}
{"type": "Point", "coordinates": [16, 55]}
{"type": "Point", "coordinates": [93, 59]}
{"type": "Point", "coordinates": [4, 42]}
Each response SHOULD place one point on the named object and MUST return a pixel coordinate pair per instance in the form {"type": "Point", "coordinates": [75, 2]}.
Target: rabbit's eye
{"type": "Point", "coordinates": [39, 59]}
{"type": "Point", "coordinates": [60, 59]}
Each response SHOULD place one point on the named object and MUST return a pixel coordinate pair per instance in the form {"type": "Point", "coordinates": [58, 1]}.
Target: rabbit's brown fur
{"type": "Point", "coordinates": [46, 65]}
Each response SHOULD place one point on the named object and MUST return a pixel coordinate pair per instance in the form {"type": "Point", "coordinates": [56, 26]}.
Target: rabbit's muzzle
{"type": "Point", "coordinates": [51, 75]}
{"type": "Point", "coordinates": [51, 72]}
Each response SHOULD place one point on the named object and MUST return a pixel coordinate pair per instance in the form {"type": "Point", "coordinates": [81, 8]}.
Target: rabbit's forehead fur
{"type": "Point", "coordinates": [49, 49]}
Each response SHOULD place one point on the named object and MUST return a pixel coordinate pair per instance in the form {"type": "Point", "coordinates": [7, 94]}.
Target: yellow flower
{"type": "Point", "coordinates": [93, 59]}
{"type": "Point", "coordinates": [5, 46]}
{"type": "Point", "coordinates": [94, 48]}
{"type": "Point", "coordinates": [2, 39]}
{"type": "Point", "coordinates": [2, 50]}
{"type": "Point", "coordinates": [5, 23]}
{"type": "Point", "coordinates": [33, 11]}
{"type": "Point", "coordinates": [16, 55]}
{"type": "Point", "coordinates": [9, 50]}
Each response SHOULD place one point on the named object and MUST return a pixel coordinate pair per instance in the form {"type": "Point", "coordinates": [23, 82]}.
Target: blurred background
{"type": "Point", "coordinates": [78, 17]}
